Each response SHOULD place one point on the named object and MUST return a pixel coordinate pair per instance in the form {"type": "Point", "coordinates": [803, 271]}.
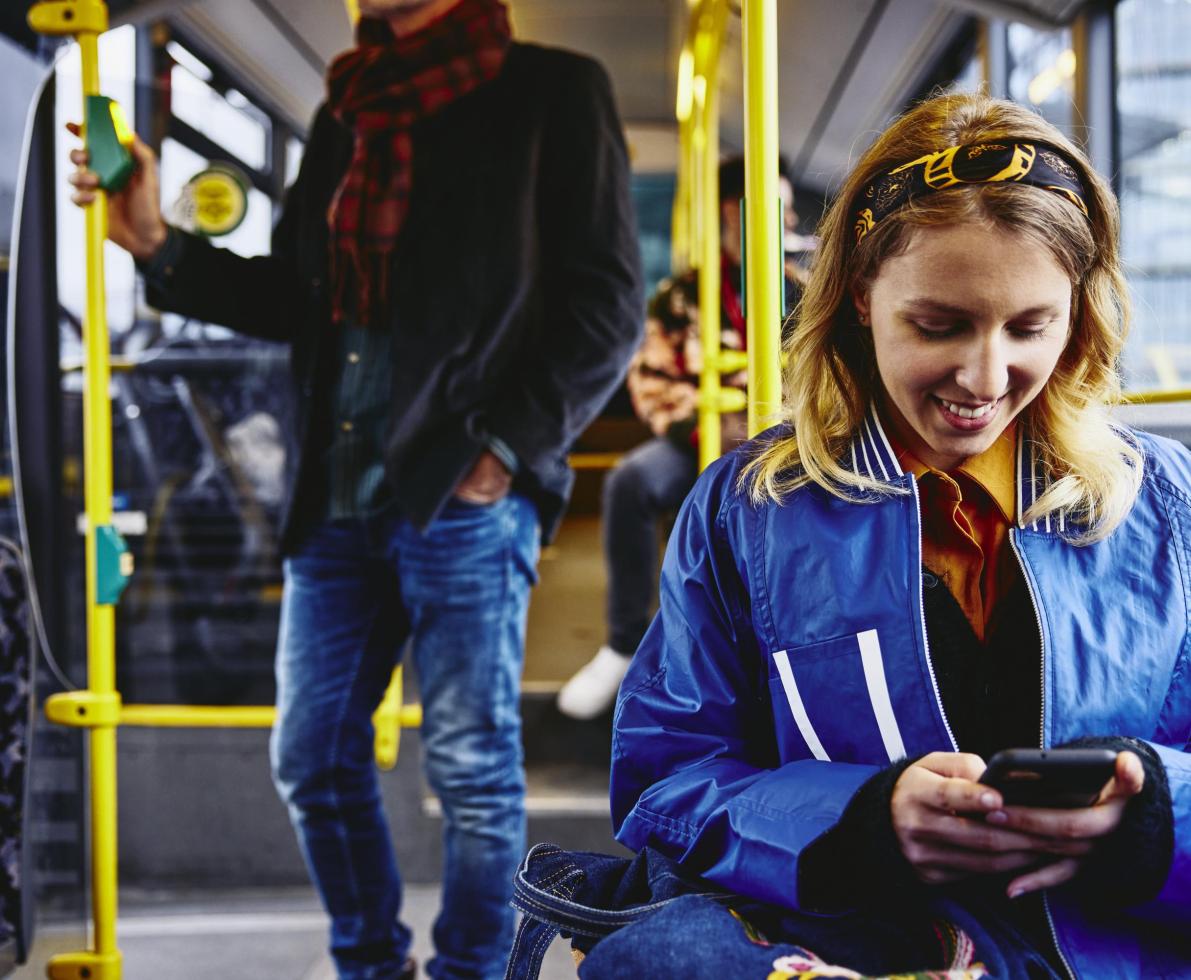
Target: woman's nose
{"type": "Point", "coordinates": [983, 371]}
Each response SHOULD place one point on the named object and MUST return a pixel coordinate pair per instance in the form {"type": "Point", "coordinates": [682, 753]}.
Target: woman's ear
{"type": "Point", "coordinates": [860, 301]}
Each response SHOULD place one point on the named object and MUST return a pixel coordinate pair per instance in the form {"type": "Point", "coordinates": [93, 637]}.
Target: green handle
{"type": "Point", "coordinates": [113, 565]}
{"type": "Point", "coordinates": [108, 138]}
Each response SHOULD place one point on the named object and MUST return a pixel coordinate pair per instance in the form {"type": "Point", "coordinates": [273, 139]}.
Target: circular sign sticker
{"type": "Point", "coordinates": [216, 200]}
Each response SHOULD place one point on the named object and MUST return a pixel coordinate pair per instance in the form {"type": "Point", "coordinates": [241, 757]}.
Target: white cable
{"type": "Point", "coordinates": [18, 492]}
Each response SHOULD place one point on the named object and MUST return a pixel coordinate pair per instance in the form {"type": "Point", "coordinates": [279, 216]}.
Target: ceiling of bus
{"type": "Point", "coordinates": [846, 65]}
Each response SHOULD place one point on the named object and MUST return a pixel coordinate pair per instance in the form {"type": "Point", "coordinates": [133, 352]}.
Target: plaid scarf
{"type": "Point", "coordinates": [379, 90]}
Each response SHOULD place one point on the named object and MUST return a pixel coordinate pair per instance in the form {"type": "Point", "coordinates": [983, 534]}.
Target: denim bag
{"type": "Point", "coordinates": [706, 931]}
{"type": "Point", "coordinates": [586, 896]}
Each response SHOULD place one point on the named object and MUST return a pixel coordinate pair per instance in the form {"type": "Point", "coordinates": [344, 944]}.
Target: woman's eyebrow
{"type": "Point", "coordinates": [931, 306]}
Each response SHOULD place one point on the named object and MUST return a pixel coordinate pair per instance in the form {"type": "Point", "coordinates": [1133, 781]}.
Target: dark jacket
{"type": "Point", "coordinates": [517, 297]}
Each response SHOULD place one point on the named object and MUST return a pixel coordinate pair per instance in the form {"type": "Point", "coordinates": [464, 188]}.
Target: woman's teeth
{"type": "Point", "coordinates": [967, 413]}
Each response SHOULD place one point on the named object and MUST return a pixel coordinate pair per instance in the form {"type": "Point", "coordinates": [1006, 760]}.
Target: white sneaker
{"type": "Point", "coordinates": [593, 688]}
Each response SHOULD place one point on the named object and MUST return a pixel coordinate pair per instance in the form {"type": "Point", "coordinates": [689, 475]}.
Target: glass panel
{"type": "Point", "coordinates": [231, 121]}
{"type": "Point", "coordinates": [51, 826]}
{"type": "Point", "coordinates": [1154, 102]}
{"type": "Point", "coordinates": [1042, 72]}
{"type": "Point", "coordinates": [199, 451]}
{"type": "Point", "coordinates": [970, 77]}
{"type": "Point", "coordinates": [117, 58]}
{"type": "Point", "coordinates": [294, 149]}
{"type": "Point", "coordinates": [653, 198]}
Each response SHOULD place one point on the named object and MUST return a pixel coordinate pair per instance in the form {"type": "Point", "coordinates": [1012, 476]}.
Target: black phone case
{"type": "Point", "coordinates": [1058, 778]}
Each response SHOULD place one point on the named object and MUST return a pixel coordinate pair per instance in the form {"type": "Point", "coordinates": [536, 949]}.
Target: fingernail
{"type": "Point", "coordinates": [987, 799]}
{"type": "Point", "coordinates": [1016, 892]}
{"type": "Point", "coordinates": [997, 816]}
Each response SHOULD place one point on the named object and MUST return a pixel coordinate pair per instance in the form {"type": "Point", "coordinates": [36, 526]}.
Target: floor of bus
{"type": "Point", "coordinates": [248, 934]}
{"type": "Point", "coordinates": [197, 929]}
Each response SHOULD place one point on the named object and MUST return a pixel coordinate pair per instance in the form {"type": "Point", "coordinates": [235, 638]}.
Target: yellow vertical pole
{"type": "Point", "coordinates": [97, 708]}
{"type": "Point", "coordinates": [101, 622]}
{"type": "Point", "coordinates": [763, 246]}
{"type": "Point", "coordinates": [681, 226]}
{"type": "Point", "coordinates": [708, 42]}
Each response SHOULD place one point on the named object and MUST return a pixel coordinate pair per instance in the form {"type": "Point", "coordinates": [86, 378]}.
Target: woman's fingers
{"type": "Point", "coordinates": [963, 765]}
{"type": "Point", "coordinates": [946, 782]}
{"type": "Point", "coordinates": [1048, 876]}
{"type": "Point", "coordinates": [936, 858]}
{"type": "Point", "coordinates": [977, 835]}
{"type": "Point", "coordinates": [1128, 780]}
{"type": "Point", "coordinates": [1087, 823]}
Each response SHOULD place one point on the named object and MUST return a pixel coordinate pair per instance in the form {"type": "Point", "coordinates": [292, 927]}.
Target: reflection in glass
{"type": "Point", "coordinates": [42, 821]}
{"type": "Point", "coordinates": [1042, 73]}
{"type": "Point", "coordinates": [1154, 105]}
{"type": "Point", "coordinates": [231, 120]}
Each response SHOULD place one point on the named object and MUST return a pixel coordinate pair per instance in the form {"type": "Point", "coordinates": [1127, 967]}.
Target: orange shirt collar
{"type": "Point", "coordinates": [994, 469]}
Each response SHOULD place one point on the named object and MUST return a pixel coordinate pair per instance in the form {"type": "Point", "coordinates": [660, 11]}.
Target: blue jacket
{"type": "Point", "coordinates": [788, 663]}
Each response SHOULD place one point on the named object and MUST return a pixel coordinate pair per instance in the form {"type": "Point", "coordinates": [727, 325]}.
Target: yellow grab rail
{"type": "Point", "coordinates": [682, 224]}
{"type": "Point", "coordinates": [710, 18]}
{"type": "Point", "coordinates": [697, 195]}
{"type": "Point", "coordinates": [763, 244]}
{"type": "Point", "coordinates": [1156, 397]}
{"type": "Point", "coordinates": [92, 708]}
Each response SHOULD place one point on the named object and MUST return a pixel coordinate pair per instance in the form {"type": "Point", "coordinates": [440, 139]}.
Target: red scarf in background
{"type": "Point", "coordinates": [380, 89]}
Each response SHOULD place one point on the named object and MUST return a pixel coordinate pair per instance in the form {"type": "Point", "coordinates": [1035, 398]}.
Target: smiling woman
{"type": "Point", "coordinates": [922, 568]}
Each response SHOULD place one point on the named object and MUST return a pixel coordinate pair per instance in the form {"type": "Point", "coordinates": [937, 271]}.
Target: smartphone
{"type": "Point", "coordinates": [1058, 778]}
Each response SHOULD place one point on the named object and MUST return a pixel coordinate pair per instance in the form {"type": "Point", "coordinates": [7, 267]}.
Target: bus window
{"type": "Point", "coordinates": [1154, 106]}
{"type": "Point", "coordinates": [1042, 72]}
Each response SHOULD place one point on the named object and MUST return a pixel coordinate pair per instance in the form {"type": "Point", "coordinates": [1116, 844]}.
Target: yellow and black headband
{"type": "Point", "coordinates": [978, 163]}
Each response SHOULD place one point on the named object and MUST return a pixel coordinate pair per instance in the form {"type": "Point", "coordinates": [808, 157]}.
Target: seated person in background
{"type": "Point", "coordinates": [948, 549]}
{"type": "Point", "coordinates": [653, 479]}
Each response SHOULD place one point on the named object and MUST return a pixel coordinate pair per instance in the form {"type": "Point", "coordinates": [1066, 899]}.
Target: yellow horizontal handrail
{"type": "Point", "coordinates": [594, 461]}
{"type": "Point", "coordinates": [1156, 397]}
{"type": "Point", "coordinates": [730, 361]}
{"type": "Point", "coordinates": [224, 716]}
{"type": "Point", "coordinates": [197, 716]}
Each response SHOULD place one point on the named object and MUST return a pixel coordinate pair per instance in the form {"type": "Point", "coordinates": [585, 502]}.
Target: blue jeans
{"type": "Point", "coordinates": [652, 479]}
{"type": "Point", "coordinates": [355, 592]}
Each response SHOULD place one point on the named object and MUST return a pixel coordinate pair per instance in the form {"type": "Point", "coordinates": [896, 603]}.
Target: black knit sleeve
{"type": "Point", "coordinates": [859, 859]}
{"type": "Point", "coordinates": [1131, 865]}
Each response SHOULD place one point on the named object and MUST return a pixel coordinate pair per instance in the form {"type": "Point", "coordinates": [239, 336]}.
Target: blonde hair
{"type": "Point", "coordinates": [1094, 469]}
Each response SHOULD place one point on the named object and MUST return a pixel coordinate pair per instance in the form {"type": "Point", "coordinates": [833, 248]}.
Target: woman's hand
{"type": "Point", "coordinates": [135, 222]}
{"type": "Point", "coordinates": [1086, 825]}
{"type": "Point", "coordinates": [948, 827]}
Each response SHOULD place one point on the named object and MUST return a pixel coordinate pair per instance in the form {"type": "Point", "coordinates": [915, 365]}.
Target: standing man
{"type": "Point", "coordinates": [456, 270]}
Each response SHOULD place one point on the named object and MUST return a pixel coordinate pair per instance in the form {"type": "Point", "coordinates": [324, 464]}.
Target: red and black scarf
{"type": "Point", "coordinates": [380, 89]}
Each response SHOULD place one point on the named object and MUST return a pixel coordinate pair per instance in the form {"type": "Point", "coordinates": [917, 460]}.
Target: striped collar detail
{"type": "Point", "coordinates": [871, 455]}
{"type": "Point", "coordinates": [1032, 483]}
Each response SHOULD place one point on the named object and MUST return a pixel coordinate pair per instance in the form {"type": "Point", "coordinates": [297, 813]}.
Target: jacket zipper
{"type": "Point", "coordinates": [1050, 922]}
{"type": "Point", "coordinates": [922, 620]}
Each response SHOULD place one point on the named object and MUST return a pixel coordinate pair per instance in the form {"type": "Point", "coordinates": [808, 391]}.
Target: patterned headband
{"type": "Point", "coordinates": [979, 163]}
